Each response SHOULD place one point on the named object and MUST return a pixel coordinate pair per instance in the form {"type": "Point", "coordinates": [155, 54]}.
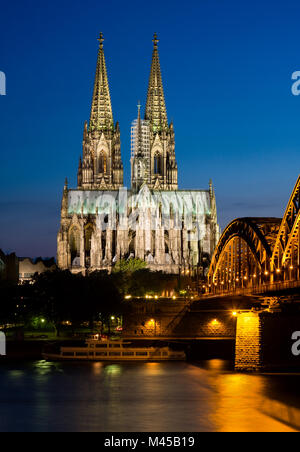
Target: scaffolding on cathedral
{"type": "Point", "coordinates": [141, 146]}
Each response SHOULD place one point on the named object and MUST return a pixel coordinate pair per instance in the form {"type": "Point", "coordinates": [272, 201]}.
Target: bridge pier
{"type": "Point", "coordinates": [264, 340]}
{"type": "Point", "coordinates": [248, 345]}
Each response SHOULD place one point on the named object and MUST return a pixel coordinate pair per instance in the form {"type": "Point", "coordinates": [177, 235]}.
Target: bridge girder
{"type": "Point", "coordinates": [286, 253]}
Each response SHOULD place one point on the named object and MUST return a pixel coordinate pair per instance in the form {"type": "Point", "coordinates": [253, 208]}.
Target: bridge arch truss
{"type": "Point", "coordinates": [285, 259]}
{"type": "Point", "coordinates": [243, 255]}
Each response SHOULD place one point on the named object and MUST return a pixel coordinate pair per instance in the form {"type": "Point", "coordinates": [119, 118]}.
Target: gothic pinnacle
{"type": "Point", "coordinates": [101, 118]}
{"type": "Point", "coordinates": [101, 40]}
{"type": "Point", "coordinates": [155, 40]}
{"type": "Point", "coordinates": [155, 111]}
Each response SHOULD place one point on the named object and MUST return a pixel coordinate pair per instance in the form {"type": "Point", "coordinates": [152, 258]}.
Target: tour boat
{"type": "Point", "coordinates": [114, 350]}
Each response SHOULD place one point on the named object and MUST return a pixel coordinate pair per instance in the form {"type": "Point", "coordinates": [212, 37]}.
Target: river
{"type": "Point", "coordinates": [144, 397]}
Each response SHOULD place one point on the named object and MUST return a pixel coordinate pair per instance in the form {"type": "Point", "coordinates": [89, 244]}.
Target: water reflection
{"type": "Point", "coordinates": [113, 369]}
{"type": "Point", "coordinates": [43, 368]}
{"type": "Point", "coordinates": [16, 374]}
{"type": "Point", "coordinates": [97, 369]}
{"type": "Point", "coordinates": [177, 397]}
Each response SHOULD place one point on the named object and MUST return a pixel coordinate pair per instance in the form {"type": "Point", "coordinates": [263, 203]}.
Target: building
{"type": "Point", "coordinates": [29, 267]}
{"type": "Point", "coordinates": [9, 267]}
{"type": "Point", "coordinates": [171, 229]}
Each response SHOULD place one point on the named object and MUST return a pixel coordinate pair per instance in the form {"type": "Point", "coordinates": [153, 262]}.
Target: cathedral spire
{"type": "Point", "coordinates": [156, 111]}
{"type": "Point", "coordinates": [101, 118]}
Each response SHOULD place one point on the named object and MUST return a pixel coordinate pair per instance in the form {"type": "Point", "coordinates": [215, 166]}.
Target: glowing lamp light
{"type": "Point", "coordinates": [127, 297]}
{"type": "Point", "coordinates": [291, 267]}
{"type": "Point", "coordinates": [234, 314]}
{"type": "Point", "coordinates": [278, 270]}
{"type": "Point", "coordinates": [266, 273]}
{"type": "Point", "coordinates": [112, 317]}
{"type": "Point", "coordinates": [215, 322]}
{"type": "Point", "coordinates": [43, 320]}
{"type": "Point", "coordinates": [174, 298]}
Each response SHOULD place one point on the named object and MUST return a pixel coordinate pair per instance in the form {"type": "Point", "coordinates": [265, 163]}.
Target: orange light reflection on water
{"type": "Point", "coordinates": [239, 405]}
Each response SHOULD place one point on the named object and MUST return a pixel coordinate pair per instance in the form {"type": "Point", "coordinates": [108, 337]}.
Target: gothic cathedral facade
{"type": "Point", "coordinates": [172, 230]}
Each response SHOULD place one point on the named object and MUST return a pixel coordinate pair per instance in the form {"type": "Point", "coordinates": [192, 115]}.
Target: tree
{"type": "Point", "coordinates": [102, 297]}
{"type": "Point", "coordinates": [129, 265]}
{"type": "Point", "coordinates": [60, 295]}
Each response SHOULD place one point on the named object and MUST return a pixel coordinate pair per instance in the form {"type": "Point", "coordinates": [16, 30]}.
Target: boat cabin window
{"type": "Point", "coordinates": [101, 346]}
{"type": "Point", "coordinates": [114, 354]}
{"type": "Point", "coordinates": [128, 353]}
{"type": "Point", "coordinates": [114, 345]}
{"type": "Point", "coordinates": [68, 354]}
{"type": "Point", "coordinates": [101, 353]}
{"type": "Point", "coordinates": [81, 354]}
{"type": "Point", "coordinates": [141, 353]}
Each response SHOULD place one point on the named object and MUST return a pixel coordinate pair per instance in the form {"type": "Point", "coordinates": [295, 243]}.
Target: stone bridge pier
{"type": "Point", "coordinates": [264, 340]}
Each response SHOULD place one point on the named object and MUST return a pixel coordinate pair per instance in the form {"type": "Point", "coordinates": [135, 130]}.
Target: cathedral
{"type": "Point", "coordinates": [102, 222]}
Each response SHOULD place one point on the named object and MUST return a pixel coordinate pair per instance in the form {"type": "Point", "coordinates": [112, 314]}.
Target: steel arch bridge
{"type": "Point", "coordinates": [258, 251]}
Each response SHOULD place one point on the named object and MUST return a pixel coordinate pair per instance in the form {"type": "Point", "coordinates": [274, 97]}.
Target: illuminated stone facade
{"type": "Point", "coordinates": [101, 221]}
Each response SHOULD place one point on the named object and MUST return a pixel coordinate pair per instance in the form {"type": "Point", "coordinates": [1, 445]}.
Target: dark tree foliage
{"type": "Point", "coordinates": [59, 296]}
{"type": "Point", "coordinates": [143, 281]}
{"type": "Point", "coordinates": [8, 302]}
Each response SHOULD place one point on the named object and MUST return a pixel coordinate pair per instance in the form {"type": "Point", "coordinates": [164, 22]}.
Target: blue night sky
{"type": "Point", "coordinates": [226, 69]}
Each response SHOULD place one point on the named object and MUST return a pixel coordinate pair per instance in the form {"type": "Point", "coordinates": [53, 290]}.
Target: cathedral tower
{"type": "Point", "coordinates": [101, 166]}
{"type": "Point", "coordinates": [159, 150]}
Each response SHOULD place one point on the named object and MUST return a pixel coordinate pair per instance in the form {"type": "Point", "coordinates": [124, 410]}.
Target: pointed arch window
{"type": "Point", "coordinates": [88, 238]}
{"type": "Point", "coordinates": [88, 232]}
{"type": "Point", "coordinates": [102, 162]}
{"type": "Point", "coordinates": [168, 160]}
{"type": "Point", "coordinates": [157, 164]}
{"type": "Point", "coordinates": [74, 243]}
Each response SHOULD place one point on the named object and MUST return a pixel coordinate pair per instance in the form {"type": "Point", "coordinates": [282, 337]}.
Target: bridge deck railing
{"type": "Point", "coordinates": [257, 290]}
